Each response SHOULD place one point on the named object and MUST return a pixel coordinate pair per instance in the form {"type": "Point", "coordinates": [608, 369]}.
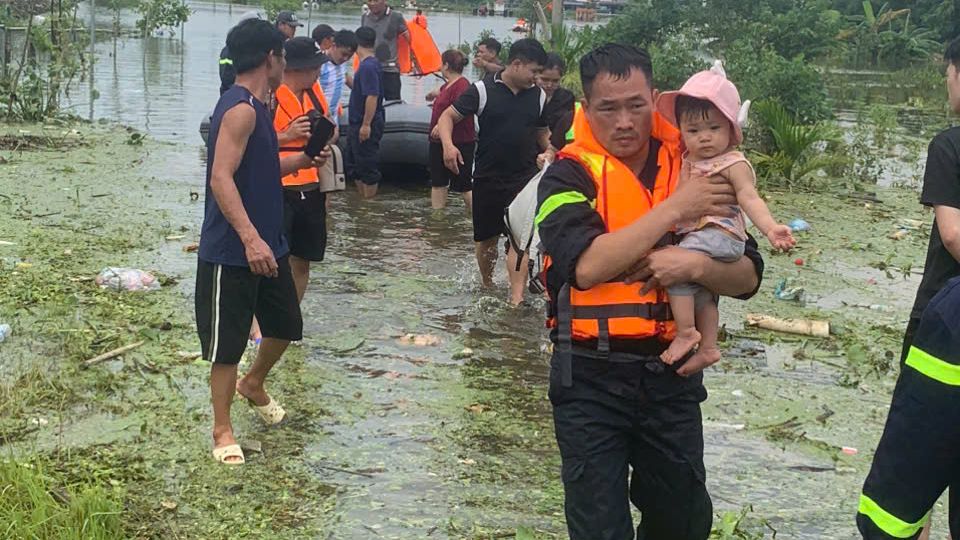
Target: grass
{"type": "Point", "coordinates": [35, 505]}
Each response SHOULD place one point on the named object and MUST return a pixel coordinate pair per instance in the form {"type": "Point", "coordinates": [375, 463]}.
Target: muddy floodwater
{"type": "Point", "coordinates": [417, 400]}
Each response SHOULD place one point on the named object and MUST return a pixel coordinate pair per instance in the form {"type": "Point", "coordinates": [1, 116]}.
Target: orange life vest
{"type": "Point", "coordinates": [289, 108]}
{"type": "Point", "coordinates": [615, 309]}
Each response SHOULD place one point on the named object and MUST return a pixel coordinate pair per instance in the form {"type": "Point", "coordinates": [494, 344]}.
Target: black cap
{"type": "Point", "coordinates": [288, 17]}
{"type": "Point", "coordinates": [302, 53]}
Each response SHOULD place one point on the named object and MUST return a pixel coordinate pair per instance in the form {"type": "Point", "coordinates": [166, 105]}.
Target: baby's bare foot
{"type": "Point", "coordinates": [681, 345]}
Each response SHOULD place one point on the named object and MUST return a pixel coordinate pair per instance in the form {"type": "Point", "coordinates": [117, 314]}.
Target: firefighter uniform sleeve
{"type": "Point", "coordinates": [566, 218]}
{"type": "Point", "coordinates": [917, 456]}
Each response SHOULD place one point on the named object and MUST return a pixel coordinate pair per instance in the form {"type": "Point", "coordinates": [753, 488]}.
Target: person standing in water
{"type": "Point", "coordinates": [243, 268]}
{"type": "Point", "coordinates": [464, 136]}
{"type": "Point", "coordinates": [366, 118]}
{"type": "Point", "coordinates": [509, 110]}
{"type": "Point", "coordinates": [388, 26]}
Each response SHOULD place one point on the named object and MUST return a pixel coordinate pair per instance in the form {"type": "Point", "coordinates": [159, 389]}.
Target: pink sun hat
{"type": "Point", "coordinates": [711, 85]}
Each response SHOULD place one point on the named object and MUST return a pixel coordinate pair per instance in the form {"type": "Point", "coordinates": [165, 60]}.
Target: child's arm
{"type": "Point", "coordinates": [743, 181]}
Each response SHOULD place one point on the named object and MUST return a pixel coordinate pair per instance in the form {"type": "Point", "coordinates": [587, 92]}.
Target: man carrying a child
{"type": "Point", "coordinates": [605, 209]}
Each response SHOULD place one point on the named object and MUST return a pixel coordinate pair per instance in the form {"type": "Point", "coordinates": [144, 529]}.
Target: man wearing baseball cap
{"type": "Point", "coordinates": [304, 211]}
{"type": "Point", "coordinates": [287, 23]}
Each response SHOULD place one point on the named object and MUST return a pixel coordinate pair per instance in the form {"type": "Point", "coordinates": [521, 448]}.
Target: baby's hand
{"type": "Point", "coordinates": [781, 237]}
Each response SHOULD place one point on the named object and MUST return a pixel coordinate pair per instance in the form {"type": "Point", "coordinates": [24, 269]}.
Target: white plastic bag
{"type": "Point", "coordinates": [126, 279]}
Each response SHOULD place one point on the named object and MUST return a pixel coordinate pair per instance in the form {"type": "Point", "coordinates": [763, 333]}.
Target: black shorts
{"type": "Point", "coordinates": [391, 85]}
{"type": "Point", "coordinates": [363, 158]}
{"type": "Point", "coordinates": [441, 176]}
{"type": "Point", "coordinates": [227, 298]}
{"type": "Point", "coordinates": [305, 223]}
{"type": "Point", "coordinates": [491, 197]}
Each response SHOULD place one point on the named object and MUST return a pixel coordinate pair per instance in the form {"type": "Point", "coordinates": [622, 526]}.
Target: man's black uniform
{"type": "Point", "coordinates": [618, 416]}
{"type": "Point", "coordinates": [919, 453]}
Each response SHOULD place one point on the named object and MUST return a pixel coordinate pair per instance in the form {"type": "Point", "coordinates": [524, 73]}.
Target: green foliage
{"type": "Point", "coordinates": [886, 37]}
{"type": "Point", "coordinates": [674, 60]}
{"type": "Point", "coordinates": [272, 7]}
{"type": "Point", "coordinates": [35, 505]}
{"type": "Point", "coordinates": [52, 58]}
{"type": "Point", "coordinates": [760, 73]}
{"type": "Point", "coordinates": [732, 526]}
{"type": "Point", "coordinates": [161, 14]}
{"type": "Point", "coordinates": [793, 157]}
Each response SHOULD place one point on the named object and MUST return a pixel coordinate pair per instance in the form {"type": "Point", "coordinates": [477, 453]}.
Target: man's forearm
{"type": "Point", "coordinates": [445, 125]}
{"type": "Point", "coordinates": [369, 108]}
{"type": "Point", "coordinates": [728, 279]}
{"type": "Point", "coordinates": [290, 164]}
{"type": "Point", "coordinates": [228, 199]}
{"type": "Point", "coordinates": [612, 254]}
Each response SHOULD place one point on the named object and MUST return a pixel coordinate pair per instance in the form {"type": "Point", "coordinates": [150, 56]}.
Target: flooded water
{"type": "Point", "coordinates": [452, 438]}
{"type": "Point", "coordinates": [166, 85]}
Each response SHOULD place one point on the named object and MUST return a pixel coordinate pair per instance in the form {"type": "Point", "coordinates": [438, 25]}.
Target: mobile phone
{"type": "Point", "coordinates": [320, 136]}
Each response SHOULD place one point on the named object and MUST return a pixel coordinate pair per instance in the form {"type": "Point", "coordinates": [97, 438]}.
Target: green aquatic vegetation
{"type": "Point", "coordinates": [34, 503]}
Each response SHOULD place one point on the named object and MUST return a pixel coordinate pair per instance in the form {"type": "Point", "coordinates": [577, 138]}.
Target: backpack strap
{"type": "Point", "coordinates": [316, 101]}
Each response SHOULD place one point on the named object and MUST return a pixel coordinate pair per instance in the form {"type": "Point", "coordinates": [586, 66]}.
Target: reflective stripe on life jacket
{"type": "Point", "coordinates": [572, 132]}
{"type": "Point", "coordinates": [289, 108]}
{"type": "Point", "coordinates": [614, 310]}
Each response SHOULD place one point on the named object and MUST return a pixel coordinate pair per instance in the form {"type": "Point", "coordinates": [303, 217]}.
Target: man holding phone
{"type": "Point", "coordinates": [243, 268]}
{"type": "Point", "coordinates": [301, 108]}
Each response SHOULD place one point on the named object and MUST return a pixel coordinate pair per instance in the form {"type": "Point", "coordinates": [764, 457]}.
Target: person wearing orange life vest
{"type": "Point", "coordinates": [305, 212]}
{"type": "Point", "coordinates": [420, 19]}
{"type": "Point", "coordinates": [604, 208]}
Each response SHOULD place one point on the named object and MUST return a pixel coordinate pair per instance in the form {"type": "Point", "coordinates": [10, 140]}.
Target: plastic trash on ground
{"type": "Point", "coordinates": [5, 331]}
{"type": "Point", "coordinates": [126, 279]}
{"type": "Point", "coordinates": [799, 225]}
{"type": "Point", "coordinates": [784, 291]}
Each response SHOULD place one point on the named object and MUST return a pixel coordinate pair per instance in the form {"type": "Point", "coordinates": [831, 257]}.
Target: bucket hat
{"type": "Point", "coordinates": [302, 53]}
{"type": "Point", "coordinates": [710, 85]}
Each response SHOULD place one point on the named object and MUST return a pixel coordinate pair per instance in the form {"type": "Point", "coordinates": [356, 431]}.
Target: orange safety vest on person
{"type": "Point", "coordinates": [289, 108]}
{"type": "Point", "coordinates": [615, 309]}
{"type": "Point", "coordinates": [420, 20]}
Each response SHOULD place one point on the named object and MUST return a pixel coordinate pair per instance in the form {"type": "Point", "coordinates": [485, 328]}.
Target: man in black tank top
{"type": "Point", "coordinates": [242, 269]}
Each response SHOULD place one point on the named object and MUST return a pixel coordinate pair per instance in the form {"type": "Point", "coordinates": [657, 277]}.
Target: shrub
{"type": "Point", "coordinates": [794, 156]}
{"type": "Point", "coordinates": [761, 73]}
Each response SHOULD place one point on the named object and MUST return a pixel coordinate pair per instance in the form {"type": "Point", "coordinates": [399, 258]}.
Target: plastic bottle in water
{"type": "Point", "coordinates": [5, 331]}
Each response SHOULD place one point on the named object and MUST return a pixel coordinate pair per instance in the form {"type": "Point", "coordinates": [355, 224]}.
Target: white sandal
{"type": "Point", "coordinates": [228, 454]}
{"type": "Point", "coordinates": [271, 413]}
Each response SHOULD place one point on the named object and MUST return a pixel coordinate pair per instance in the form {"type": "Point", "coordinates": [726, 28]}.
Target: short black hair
{"type": "Point", "coordinates": [691, 107]}
{"type": "Point", "coordinates": [322, 32]}
{"type": "Point", "coordinates": [419, 12]}
{"type": "Point", "coordinates": [455, 59]}
{"type": "Point", "coordinates": [554, 61]}
{"type": "Point", "coordinates": [491, 45]}
{"type": "Point", "coordinates": [366, 37]}
{"type": "Point", "coordinates": [952, 54]}
{"type": "Point", "coordinates": [616, 60]}
{"type": "Point", "coordinates": [527, 50]}
{"type": "Point", "coordinates": [346, 39]}
{"type": "Point", "coordinates": [251, 41]}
